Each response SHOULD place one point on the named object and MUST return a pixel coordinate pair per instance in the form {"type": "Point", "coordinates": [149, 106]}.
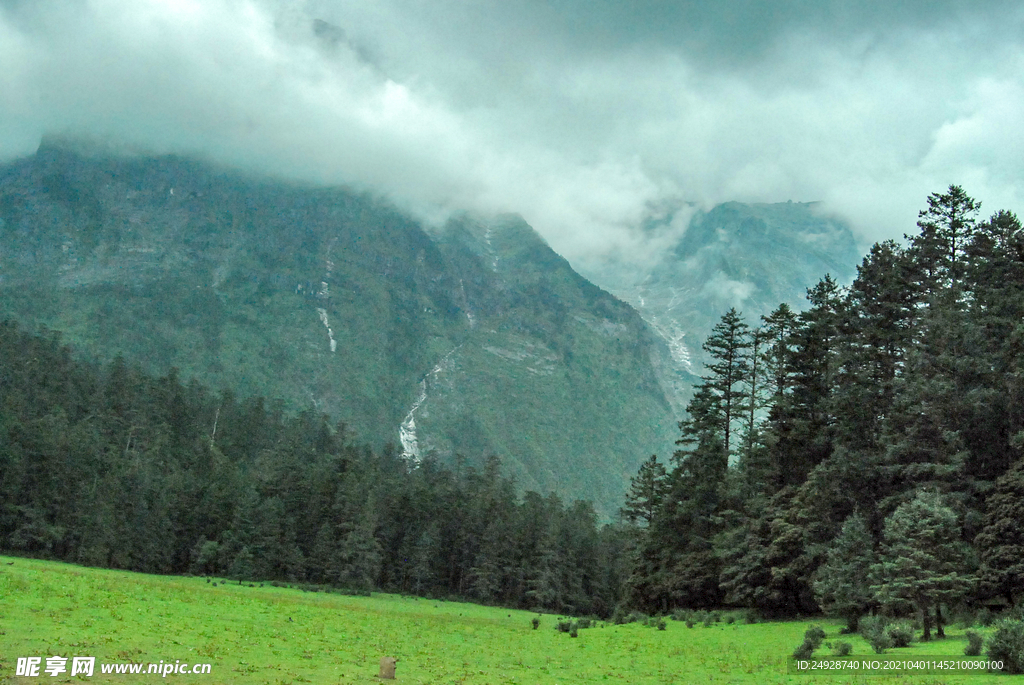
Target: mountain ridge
{"type": "Point", "coordinates": [475, 338]}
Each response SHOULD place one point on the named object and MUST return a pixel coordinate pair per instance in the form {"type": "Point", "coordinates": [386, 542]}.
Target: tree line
{"type": "Point", "coordinates": [861, 456]}
{"type": "Point", "coordinates": [104, 465]}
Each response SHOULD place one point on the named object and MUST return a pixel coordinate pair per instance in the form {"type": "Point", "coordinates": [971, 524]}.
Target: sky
{"type": "Point", "coordinates": [589, 118]}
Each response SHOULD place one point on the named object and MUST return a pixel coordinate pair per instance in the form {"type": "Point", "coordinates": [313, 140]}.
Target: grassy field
{"type": "Point", "coordinates": [278, 636]}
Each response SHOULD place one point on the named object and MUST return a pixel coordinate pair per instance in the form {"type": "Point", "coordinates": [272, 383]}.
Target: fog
{"type": "Point", "coordinates": [591, 119]}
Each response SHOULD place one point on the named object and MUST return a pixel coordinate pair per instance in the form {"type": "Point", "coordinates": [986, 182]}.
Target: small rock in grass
{"type": "Point", "coordinates": [387, 667]}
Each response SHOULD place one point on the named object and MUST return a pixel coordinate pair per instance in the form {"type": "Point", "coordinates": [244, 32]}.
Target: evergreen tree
{"type": "Point", "coordinates": [728, 348]}
{"type": "Point", "coordinates": [923, 562]}
{"type": "Point", "coordinates": [646, 491]}
{"type": "Point", "coordinates": [842, 588]}
{"type": "Point", "coordinates": [764, 469]}
{"type": "Point", "coordinates": [946, 228]}
{"type": "Point", "coordinates": [359, 560]}
{"type": "Point", "coordinates": [1001, 541]}
{"type": "Point", "coordinates": [873, 350]}
{"type": "Point", "coordinates": [804, 423]}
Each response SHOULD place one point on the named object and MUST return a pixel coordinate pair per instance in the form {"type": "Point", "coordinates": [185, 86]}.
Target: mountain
{"type": "Point", "coordinates": [749, 256]}
{"type": "Point", "coordinates": [472, 339]}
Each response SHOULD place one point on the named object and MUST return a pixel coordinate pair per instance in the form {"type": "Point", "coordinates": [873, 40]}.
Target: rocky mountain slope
{"type": "Point", "coordinates": [476, 339]}
{"type": "Point", "coordinates": [752, 257]}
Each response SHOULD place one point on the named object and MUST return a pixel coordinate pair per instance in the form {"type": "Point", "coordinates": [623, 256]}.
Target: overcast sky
{"type": "Point", "coordinates": [584, 116]}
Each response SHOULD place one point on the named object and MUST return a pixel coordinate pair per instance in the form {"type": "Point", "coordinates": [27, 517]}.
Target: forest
{"type": "Point", "coordinates": [103, 465]}
{"type": "Point", "coordinates": [861, 455]}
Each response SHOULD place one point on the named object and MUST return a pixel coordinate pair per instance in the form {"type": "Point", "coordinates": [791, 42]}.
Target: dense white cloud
{"type": "Point", "coordinates": [587, 118]}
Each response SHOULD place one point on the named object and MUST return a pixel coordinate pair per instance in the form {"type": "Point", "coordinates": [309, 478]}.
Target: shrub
{"type": "Point", "coordinates": [689, 623]}
{"type": "Point", "coordinates": [563, 626]}
{"type": "Point", "coordinates": [974, 642]}
{"type": "Point", "coordinates": [872, 629]}
{"type": "Point", "coordinates": [751, 616]}
{"type": "Point", "coordinates": [536, 622]}
{"type": "Point", "coordinates": [804, 651]}
{"type": "Point", "coordinates": [574, 632]}
{"type": "Point", "coordinates": [1006, 644]}
{"type": "Point", "coordinates": [730, 619]}
{"type": "Point", "coordinates": [661, 624]}
{"type": "Point", "coordinates": [900, 633]}
{"type": "Point", "coordinates": [814, 635]}
{"type": "Point", "coordinates": [842, 649]}
{"type": "Point", "coordinates": [681, 614]}
{"type": "Point", "coordinates": [636, 616]}
{"type": "Point", "coordinates": [584, 623]}
{"type": "Point", "coordinates": [618, 616]}
{"type": "Point", "coordinates": [986, 618]}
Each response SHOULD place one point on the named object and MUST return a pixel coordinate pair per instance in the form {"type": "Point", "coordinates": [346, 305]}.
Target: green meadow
{"type": "Point", "coordinates": [279, 635]}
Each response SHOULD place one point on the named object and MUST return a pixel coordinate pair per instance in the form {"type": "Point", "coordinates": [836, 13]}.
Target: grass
{"type": "Point", "coordinates": [280, 636]}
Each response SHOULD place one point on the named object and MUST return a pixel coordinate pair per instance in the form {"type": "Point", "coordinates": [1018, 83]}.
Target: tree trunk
{"type": "Point", "coordinates": [939, 632]}
{"type": "Point", "coordinates": [926, 622]}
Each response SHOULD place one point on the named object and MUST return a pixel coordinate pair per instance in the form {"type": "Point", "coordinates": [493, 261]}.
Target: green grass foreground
{"type": "Point", "coordinates": [278, 635]}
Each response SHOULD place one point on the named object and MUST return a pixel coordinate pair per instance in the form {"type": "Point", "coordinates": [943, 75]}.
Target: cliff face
{"type": "Point", "coordinates": [752, 257]}
{"type": "Point", "coordinates": [476, 339]}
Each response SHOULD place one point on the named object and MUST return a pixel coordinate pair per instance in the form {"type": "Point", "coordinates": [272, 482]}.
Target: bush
{"type": "Point", "coordinates": [730, 619]}
{"type": "Point", "coordinates": [804, 651]}
{"type": "Point", "coordinates": [843, 649]}
{"type": "Point", "coordinates": [584, 623]}
{"type": "Point", "coordinates": [689, 623]}
{"type": "Point", "coordinates": [751, 616]}
{"type": "Point", "coordinates": [986, 618]}
{"type": "Point", "coordinates": [681, 614]}
{"type": "Point", "coordinates": [618, 616]}
{"type": "Point", "coordinates": [564, 626]}
{"type": "Point", "coordinates": [536, 622]}
{"type": "Point", "coordinates": [872, 629]}
{"type": "Point", "coordinates": [900, 633]}
{"type": "Point", "coordinates": [814, 635]}
{"type": "Point", "coordinates": [1006, 644]}
{"type": "Point", "coordinates": [574, 632]}
{"type": "Point", "coordinates": [654, 622]}
{"type": "Point", "coordinates": [661, 625]}
{"type": "Point", "coordinates": [974, 642]}
{"type": "Point", "coordinates": [636, 616]}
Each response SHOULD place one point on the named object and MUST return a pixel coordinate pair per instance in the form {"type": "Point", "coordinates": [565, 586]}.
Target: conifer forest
{"type": "Point", "coordinates": [854, 454]}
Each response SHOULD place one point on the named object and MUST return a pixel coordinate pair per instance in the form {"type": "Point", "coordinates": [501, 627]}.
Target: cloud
{"type": "Point", "coordinates": [589, 119]}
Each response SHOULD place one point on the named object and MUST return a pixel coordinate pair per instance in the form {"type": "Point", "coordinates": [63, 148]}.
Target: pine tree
{"type": "Point", "coordinates": [873, 348]}
{"type": "Point", "coordinates": [359, 560]}
{"type": "Point", "coordinates": [842, 587]}
{"type": "Point", "coordinates": [646, 491]}
{"type": "Point", "coordinates": [728, 348]}
{"type": "Point", "coordinates": [1001, 541]}
{"type": "Point", "coordinates": [946, 228]}
{"type": "Point", "coordinates": [923, 562]}
{"type": "Point", "coordinates": [803, 424]}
